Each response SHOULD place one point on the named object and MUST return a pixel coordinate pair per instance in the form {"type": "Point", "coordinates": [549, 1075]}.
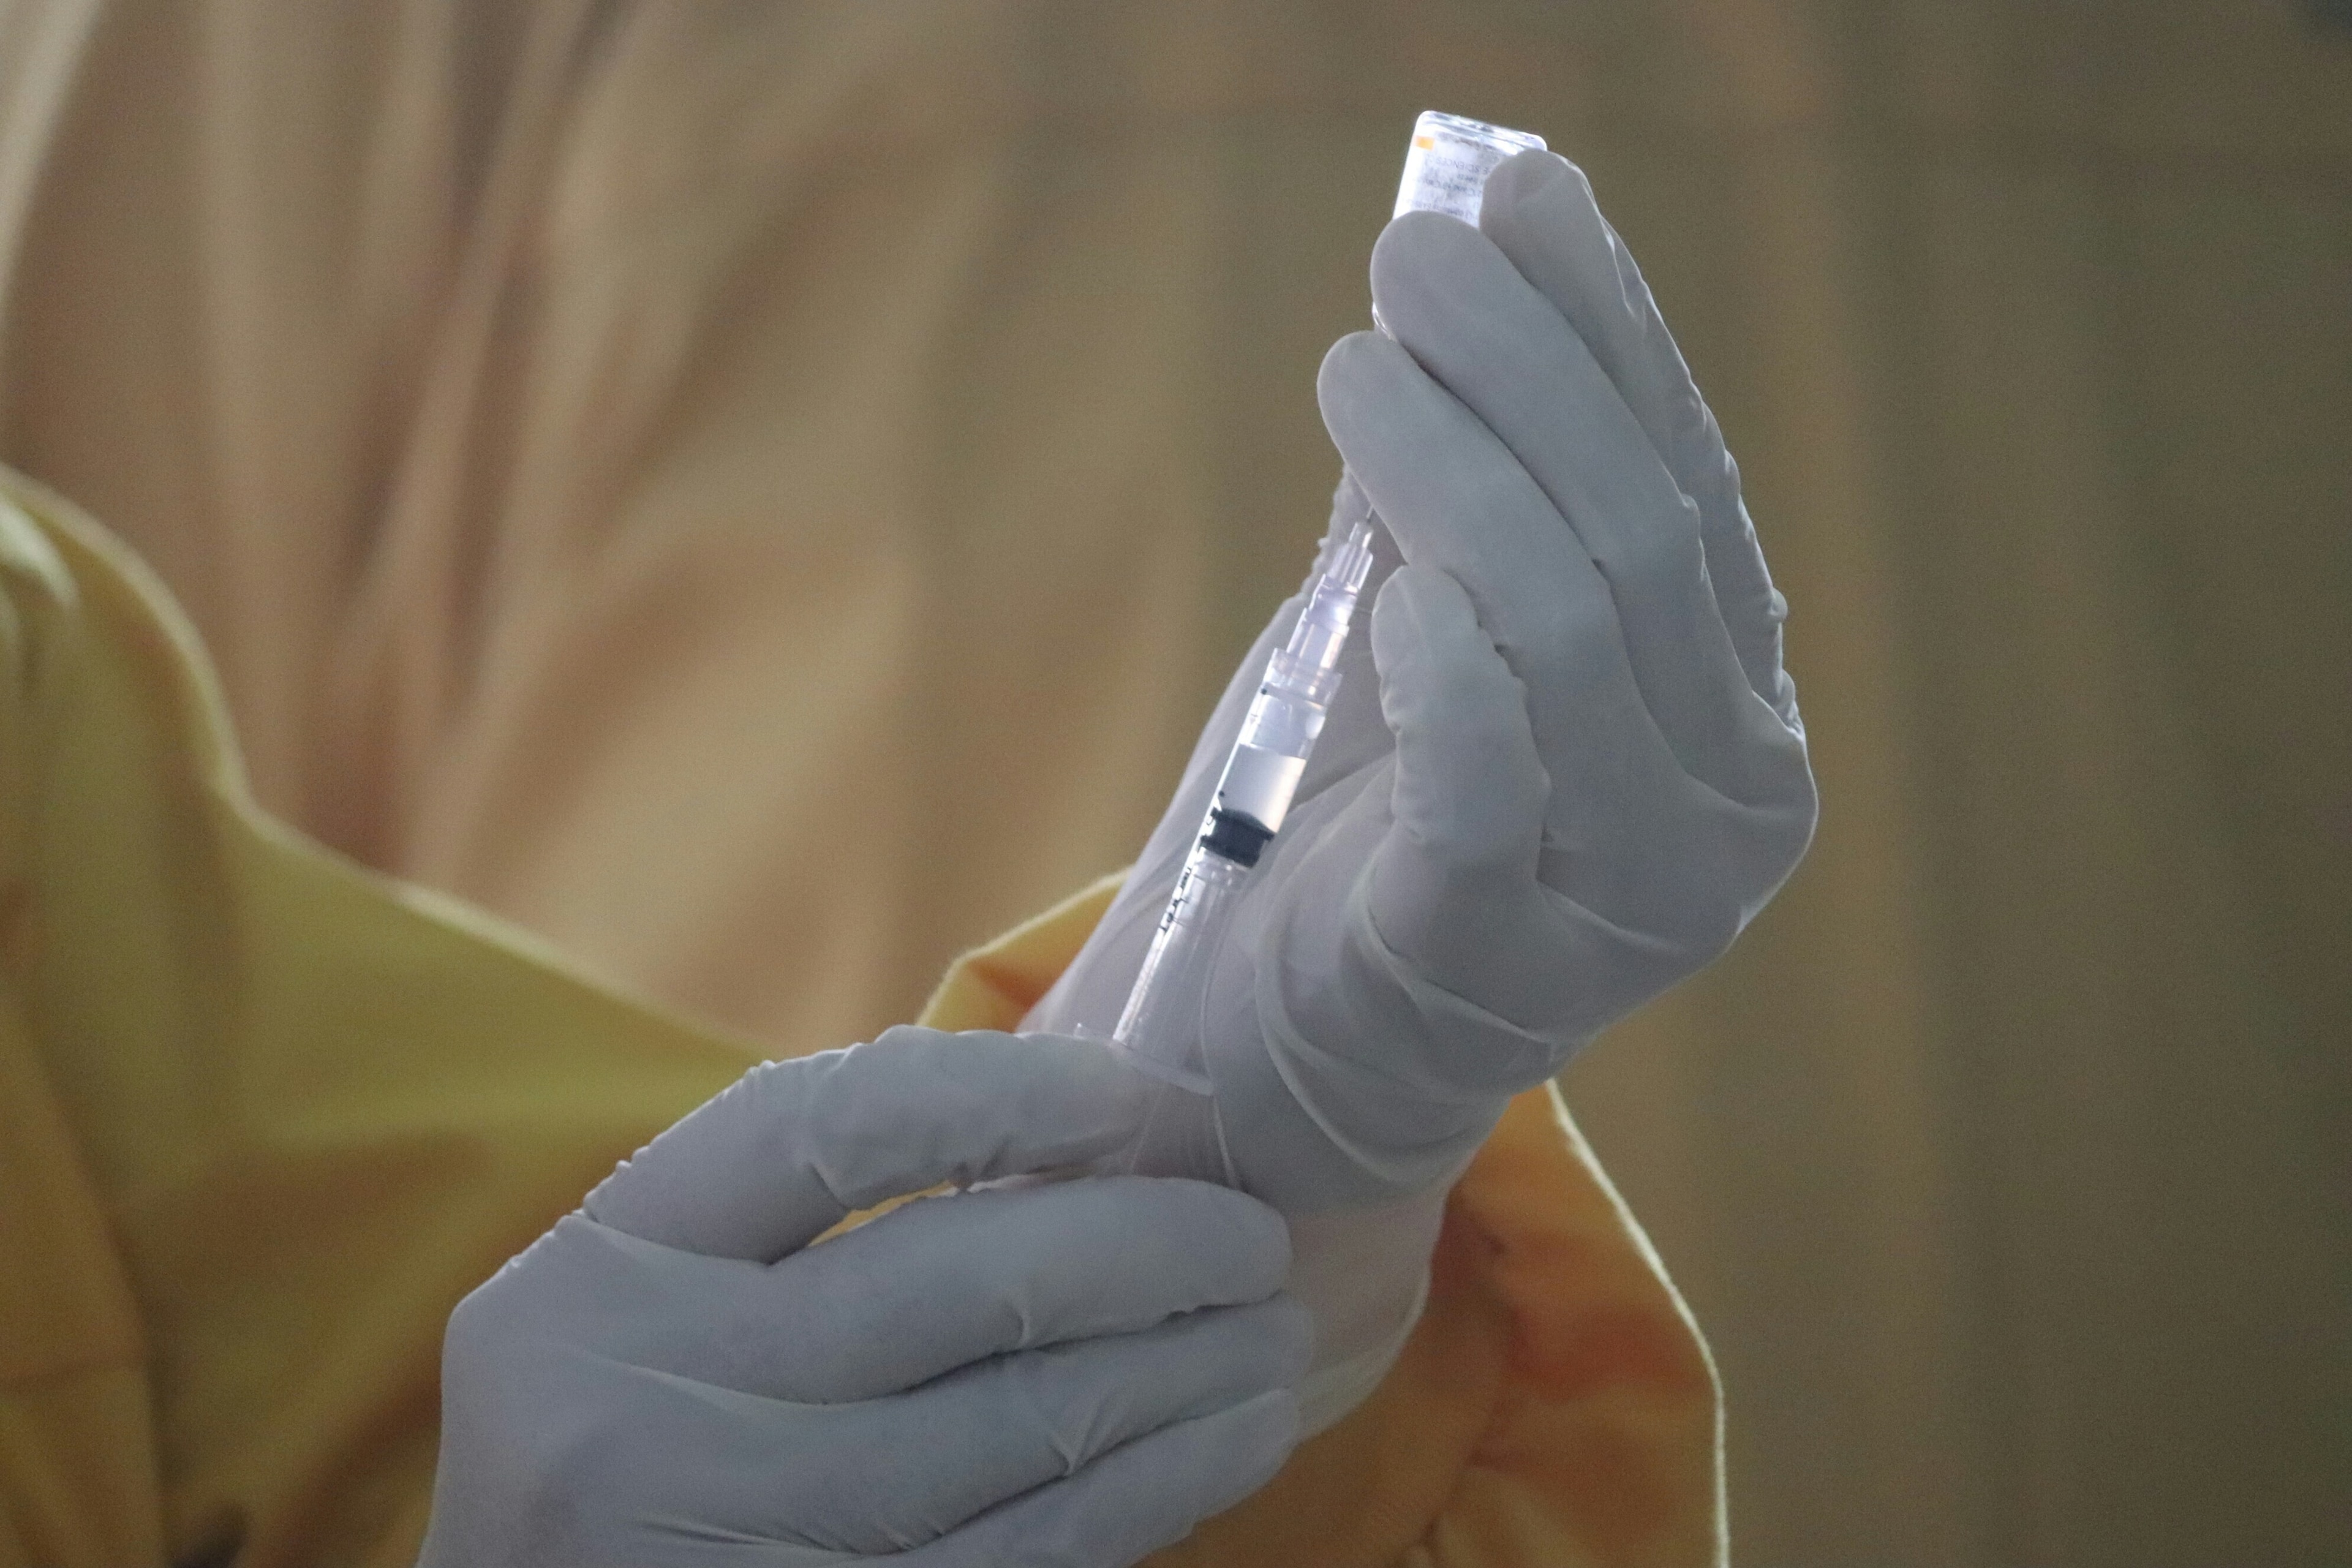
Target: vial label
{"type": "Point", "coordinates": [1446, 168]}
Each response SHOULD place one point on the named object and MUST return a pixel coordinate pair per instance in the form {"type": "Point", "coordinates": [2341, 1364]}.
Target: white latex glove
{"type": "Point", "coordinates": [1064, 1373]}
{"type": "Point", "coordinates": [1564, 770]}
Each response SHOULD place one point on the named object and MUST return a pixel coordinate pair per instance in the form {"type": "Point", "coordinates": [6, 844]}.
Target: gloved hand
{"type": "Point", "coordinates": [1066, 1373]}
{"type": "Point", "coordinates": [1564, 770]}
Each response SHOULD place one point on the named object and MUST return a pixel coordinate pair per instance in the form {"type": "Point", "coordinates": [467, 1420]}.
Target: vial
{"type": "Point", "coordinates": [1447, 166]}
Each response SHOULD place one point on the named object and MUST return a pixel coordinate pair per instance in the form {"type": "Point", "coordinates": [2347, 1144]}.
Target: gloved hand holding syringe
{"type": "Point", "coordinates": [1566, 770]}
{"type": "Point", "coordinates": [1445, 171]}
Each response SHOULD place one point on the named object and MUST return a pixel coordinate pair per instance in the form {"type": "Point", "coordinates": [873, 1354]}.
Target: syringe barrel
{"type": "Point", "coordinates": [1161, 1028]}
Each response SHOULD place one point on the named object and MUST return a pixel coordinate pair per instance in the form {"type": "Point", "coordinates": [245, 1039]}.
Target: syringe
{"type": "Point", "coordinates": [1445, 171]}
{"type": "Point", "coordinates": [1161, 1028]}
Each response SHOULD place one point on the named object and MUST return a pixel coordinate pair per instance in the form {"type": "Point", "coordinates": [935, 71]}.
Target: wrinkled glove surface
{"type": "Point", "coordinates": [1070, 1374]}
{"type": "Point", "coordinates": [1564, 770]}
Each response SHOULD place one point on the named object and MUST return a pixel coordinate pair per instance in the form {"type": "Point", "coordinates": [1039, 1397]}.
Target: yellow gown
{"type": "Point", "coordinates": [265, 1115]}
{"type": "Point", "coordinates": [635, 466]}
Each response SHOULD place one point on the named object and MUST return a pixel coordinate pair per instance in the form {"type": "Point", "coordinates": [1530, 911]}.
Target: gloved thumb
{"type": "Point", "coordinates": [792, 1148]}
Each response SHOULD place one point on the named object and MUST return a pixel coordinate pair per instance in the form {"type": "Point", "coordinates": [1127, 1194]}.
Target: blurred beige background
{"type": "Point", "coordinates": [764, 494]}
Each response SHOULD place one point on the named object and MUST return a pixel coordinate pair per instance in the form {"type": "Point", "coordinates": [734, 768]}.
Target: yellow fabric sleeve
{"type": "Point", "coordinates": [265, 1116]}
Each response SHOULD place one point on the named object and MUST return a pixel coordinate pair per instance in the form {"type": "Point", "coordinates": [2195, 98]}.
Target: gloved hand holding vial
{"type": "Point", "coordinates": [1558, 771]}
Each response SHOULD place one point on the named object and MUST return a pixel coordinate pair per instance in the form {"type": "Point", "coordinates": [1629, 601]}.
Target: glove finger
{"type": "Point", "coordinates": [918, 1292]}
{"type": "Point", "coordinates": [1457, 304]}
{"type": "Point", "coordinates": [792, 1148]}
{"type": "Point", "coordinates": [1456, 499]}
{"type": "Point", "coordinates": [1133, 1500]}
{"type": "Point", "coordinates": [1011, 1423]}
{"type": "Point", "coordinates": [1453, 885]}
{"type": "Point", "coordinates": [1539, 209]}
{"type": "Point", "coordinates": [633, 1465]}
{"type": "Point", "coordinates": [915, 1294]}
{"type": "Point", "coordinates": [933, 1285]}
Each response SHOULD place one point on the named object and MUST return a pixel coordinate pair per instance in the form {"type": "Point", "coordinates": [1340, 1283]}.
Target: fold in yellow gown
{"type": "Point", "coordinates": [265, 1116]}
